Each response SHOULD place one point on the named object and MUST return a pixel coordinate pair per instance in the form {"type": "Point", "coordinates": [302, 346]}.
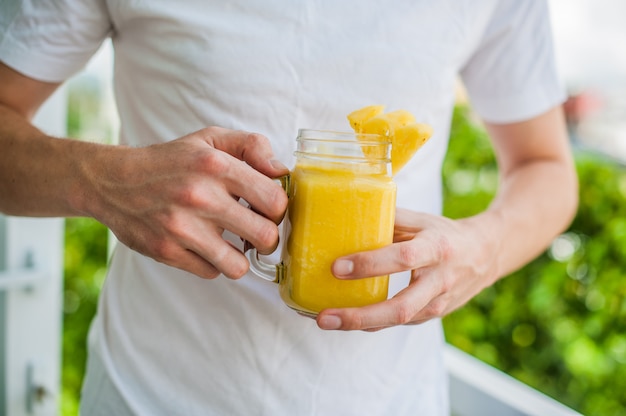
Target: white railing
{"type": "Point", "coordinates": [477, 389]}
{"type": "Point", "coordinates": [31, 279]}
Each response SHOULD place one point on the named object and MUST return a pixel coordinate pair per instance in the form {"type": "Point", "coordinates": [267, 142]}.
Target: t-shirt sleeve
{"type": "Point", "coordinates": [512, 74]}
{"type": "Point", "coordinates": [51, 40]}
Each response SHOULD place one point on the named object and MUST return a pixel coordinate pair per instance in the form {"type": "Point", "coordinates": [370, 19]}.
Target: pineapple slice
{"type": "Point", "coordinates": [399, 126]}
{"type": "Point", "coordinates": [380, 124]}
{"type": "Point", "coordinates": [401, 117]}
{"type": "Point", "coordinates": [406, 141]}
{"type": "Point", "coordinates": [383, 127]}
{"type": "Point", "coordinates": [358, 117]}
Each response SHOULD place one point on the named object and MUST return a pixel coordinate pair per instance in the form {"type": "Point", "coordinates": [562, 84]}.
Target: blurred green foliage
{"type": "Point", "coordinates": [558, 324]}
{"type": "Point", "coordinates": [85, 268]}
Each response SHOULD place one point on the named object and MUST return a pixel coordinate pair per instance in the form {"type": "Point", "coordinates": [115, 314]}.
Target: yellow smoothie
{"type": "Point", "coordinates": [335, 210]}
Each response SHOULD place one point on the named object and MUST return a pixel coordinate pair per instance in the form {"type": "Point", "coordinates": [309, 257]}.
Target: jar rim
{"type": "Point", "coordinates": [337, 135]}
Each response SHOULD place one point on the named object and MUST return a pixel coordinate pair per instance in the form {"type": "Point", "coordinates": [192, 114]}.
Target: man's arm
{"type": "Point", "coordinates": [20, 98]}
{"type": "Point", "coordinates": [538, 195]}
{"type": "Point", "coordinates": [453, 260]}
{"type": "Point", "coordinates": [169, 201]}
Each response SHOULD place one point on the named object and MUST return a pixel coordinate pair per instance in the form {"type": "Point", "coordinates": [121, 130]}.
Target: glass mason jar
{"type": "Point", "coordinates": [341, 201]}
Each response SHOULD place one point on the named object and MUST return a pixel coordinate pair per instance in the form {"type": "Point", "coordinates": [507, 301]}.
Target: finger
{"type": "Point", "coordinates": [409, 223]}
{"type": "Point", "coordinates": [394, 258]}
{"type": "Point", "coordinates": [253, 148]}
{"type": "Point", "coordinates": [263, 194]}
{"type": "Point", "coordinates": [413, 322]}
{"type": "Point", "coordinates": [402, 309]}
{"type": "Point", "coordinates": [259, 231]}
{"type": "Point", "coordinates": [202, 237]}
{"type": "Point", "coordinates": [206, 241]}
{"type": "Point", "coordinates": [189, 261]}
{"type": "Point", "coordinates": [212, 208]}
{"type": "Point", "coordinates": [276, 221]}
{"type": "Point", "coordinates": [412, 221]}
{"type": "Point", "coordinates": [225, 258]}
{"type": "Point", "coordinates": [257, 152]}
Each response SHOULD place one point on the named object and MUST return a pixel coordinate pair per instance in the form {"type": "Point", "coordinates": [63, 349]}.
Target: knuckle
{"type": "Point", "coordinates": [172, 224]}
{"type": "Point", "coordinates": [219, 254]}
{"type": "Point", "coordinates": [403, 313]}
{"type": "Point", "coordinates": [277, 201]}
{"type": "Point", "coordinates": [213, 162]}
{"type": "Point", "coordinates": [190, 195]}
{"type": "Point", "coordinates": [256, 140]}
{"type": "Point", "coordinates": [210, 132]}
{"type": "Point", "coordinates": [239, 270]}
{"type": "Point", "coordinates": [408, 256]}
{"type": "Point", "coordinates": [232, 268]}
{"type": "Point", "coordinates": [267, 235]}
{"type": "Point", "coordinates": [353, 321]}
{"type": "Point", "coordinates": [163, 250]}
{"type": "Point", "coordinates": [445, 285]}
{"type": "Point", "coordinates": [436, 308]}
{"type": "Point", "coordinates": [363, 264]}
{"type": "Point", "coordinates": [443, 249]}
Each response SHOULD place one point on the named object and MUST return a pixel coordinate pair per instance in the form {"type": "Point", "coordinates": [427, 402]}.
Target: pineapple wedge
{"type": "Point", "coordinates": [380, 124]}
{"type": "Point", "coordinates": [401, 117]}
{"type": "Point", "coordinates": [406, 141]}
{"type": "Point", "coordinates": [358, 117]}
{"type": "Point", "coordinates": [399, 126]}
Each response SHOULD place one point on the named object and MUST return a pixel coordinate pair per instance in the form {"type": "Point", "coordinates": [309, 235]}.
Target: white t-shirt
{"type": "Point", "coordinates": [165, 342]}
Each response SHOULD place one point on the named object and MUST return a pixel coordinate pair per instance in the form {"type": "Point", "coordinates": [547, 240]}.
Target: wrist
{"type": "Point", "coordinates": [485, 229]}
{"type": "Point", "coordinates": [94, 167]}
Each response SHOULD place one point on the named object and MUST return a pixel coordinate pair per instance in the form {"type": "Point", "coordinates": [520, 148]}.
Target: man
{"type": "Point", "coordinates": [181, 327]}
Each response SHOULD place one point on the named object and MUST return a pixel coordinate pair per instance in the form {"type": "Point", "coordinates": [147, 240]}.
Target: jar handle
{"type": "Point", "coordinates": [267, 271]}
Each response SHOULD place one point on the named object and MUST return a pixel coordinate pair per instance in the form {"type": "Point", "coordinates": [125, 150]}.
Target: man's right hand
{"type": "Point", "coordinates": [173, 201]}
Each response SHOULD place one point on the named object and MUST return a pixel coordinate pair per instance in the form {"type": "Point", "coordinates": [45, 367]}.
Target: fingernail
{"type": "Point", "coordinates": [277, 164]}
{"type": "Point", "coordinates": [329, 322]}
{"type": "Point", "coordinates": [343, 267]}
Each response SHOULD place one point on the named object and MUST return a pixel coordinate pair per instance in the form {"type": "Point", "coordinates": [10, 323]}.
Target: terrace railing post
{"type": "Point", "coordinates": [31, 299]}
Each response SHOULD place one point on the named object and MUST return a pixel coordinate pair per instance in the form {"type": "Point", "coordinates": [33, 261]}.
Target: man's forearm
{"type": "Point", "coordinates": [535, 203]}
{"type": "Point", "coordinates": [39, 175]}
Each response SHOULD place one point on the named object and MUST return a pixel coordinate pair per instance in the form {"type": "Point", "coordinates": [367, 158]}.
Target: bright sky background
{"type": "Point", "coordinates": [590, 38]}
